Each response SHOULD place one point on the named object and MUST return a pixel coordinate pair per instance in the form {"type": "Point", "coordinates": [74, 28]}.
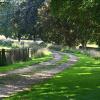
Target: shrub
{"type": "Point", "coordinates": [42, 52]}
{"type": "Point", "coordinates": [56, 47]}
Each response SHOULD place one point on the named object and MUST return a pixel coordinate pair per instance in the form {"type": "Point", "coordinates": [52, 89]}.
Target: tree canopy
{"type": "Point", "coordinates": [70, 22]}
{"type": "Point", "coordinates": [81, 15]}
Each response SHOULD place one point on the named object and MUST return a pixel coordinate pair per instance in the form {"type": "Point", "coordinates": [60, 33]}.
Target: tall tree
{"type": "Point", "coordinates": [26, 17]}
{"type": "Point", "coordinates": [5, 18]}
{"type": "Point", "coordinates": [48, 25]}
{"type": "Point", "coordinates": [80, 15]}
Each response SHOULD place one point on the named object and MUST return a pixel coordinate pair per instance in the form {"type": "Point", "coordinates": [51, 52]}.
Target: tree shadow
{"type": "Point", "coordinates": [80, 82]}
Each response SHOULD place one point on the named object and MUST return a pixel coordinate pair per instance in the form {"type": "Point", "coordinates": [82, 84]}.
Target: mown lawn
{"type": "Point", "coordinates": [25, 64]}
{"type": "Point", "coordinates": [80, 82]}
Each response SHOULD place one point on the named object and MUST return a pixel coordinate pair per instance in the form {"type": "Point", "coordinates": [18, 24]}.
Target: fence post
{"type": "Point", "coordinates": [0, 58]}
{"type": "Point", "coordinates": [4, 60]}
{"type": "Point", "coordinates": [28, 53]}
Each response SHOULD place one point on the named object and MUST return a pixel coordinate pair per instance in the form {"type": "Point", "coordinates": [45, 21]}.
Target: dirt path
{"type": "Point", "coordinates": [21, 79]}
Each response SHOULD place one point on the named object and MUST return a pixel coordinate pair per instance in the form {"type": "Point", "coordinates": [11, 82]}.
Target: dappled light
{"type": "Point", "coordinates": [71, 84]}
{"type": "Point", "coordinates": [84, 73]}
{"type": "Point", "coordinates": [20, 79]}
{"type": "Point", "coordinates": [49, 49]}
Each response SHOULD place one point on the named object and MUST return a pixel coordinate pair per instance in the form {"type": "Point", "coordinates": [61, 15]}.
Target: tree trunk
{"type": "Point", "coordinates": [84, 44]}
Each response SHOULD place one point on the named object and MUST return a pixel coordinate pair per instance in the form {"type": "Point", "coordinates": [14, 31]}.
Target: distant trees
{"type": "Point", "coordinates": [48, 25]}
{"type": "Point", "coordinates": [96, 38]}
{"type": "Point", "coordinates": [25, 18]}
{"type": "Point", "coordinates": [70, 22]}
{"type": "Point", "coordinates": [5, 18]}
{"type": "Point", "coordinates": [19, 18]}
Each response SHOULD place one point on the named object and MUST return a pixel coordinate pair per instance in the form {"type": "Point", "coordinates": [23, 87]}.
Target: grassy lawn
{"type": "Point", "coordinates": [24, 64]}
{"type": "Point", "coordinates": [80, 82]}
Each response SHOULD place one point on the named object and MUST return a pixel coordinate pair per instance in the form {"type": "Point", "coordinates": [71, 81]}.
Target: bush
{"type": "Point", "coordinates": [42, 52]}
{"type": "Point", "coordinates": [34, 48]}
{"type": "Point", "coordinates": [56, 47]}
{"type": "Point", "coordinates": [39, 50]}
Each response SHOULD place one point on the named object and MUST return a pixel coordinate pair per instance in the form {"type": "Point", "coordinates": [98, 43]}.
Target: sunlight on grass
{"type": "Point", "coordinates": [63, 60]}
{"type": "Point", "coordinates": [98, 87]}
{"type": "Point", "coordinates": [80, 82]}
{"type": "Point", "coordinates": [84, 73]}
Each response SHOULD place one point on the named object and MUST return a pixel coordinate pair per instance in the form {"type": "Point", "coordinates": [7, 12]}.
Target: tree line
{"type": "Point", "coordinates": [68, 22]}
{"type": "Point", "coordinates": [80, 20]}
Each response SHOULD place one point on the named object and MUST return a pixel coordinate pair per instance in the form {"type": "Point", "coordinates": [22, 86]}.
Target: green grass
{"type": "Point", "coordinates": [24, 64]}
{"type": "Point", "coordinates": [63, 60]}
{"type": "Point", "coordinates": [80, 82]}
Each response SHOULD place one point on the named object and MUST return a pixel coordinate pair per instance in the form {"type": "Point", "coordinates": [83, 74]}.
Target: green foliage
{"type": "Point", "coordinates": [41, 52]}
{"type": "Point", "coordinates": [96, 38]}
{"type": "Point", "coordinates": [6, 14]}
{"type": "Point", "coordinates": [82, 17]}
{"type": "Point", "coordinates": [25, 19]}
{"type": "Point", "coordinates": [56, 47]}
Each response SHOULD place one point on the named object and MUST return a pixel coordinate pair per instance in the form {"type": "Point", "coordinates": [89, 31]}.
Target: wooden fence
{"type": "Point", "coordinates": [14, 55]}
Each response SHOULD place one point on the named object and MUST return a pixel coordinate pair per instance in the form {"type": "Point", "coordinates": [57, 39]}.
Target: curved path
{"type": "Point", "coordinates": [21, 79]}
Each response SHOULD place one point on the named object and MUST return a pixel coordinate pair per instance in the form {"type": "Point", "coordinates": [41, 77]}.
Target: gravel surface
{"type": "Point", "coordinates": [21, 79]}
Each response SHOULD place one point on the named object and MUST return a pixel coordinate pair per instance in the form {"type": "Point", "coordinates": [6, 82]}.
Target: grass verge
{"type": "Point", "coordinates": [25, 64]}
{"type": "Point", "coordinates": [80, 82]}
{"type": "Point", "coordinates": [63, 60]}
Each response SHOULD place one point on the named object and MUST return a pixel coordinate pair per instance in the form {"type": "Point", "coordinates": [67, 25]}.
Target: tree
{"type": "Point", "coordinates": [47, 25]}
{"type": "Point", "coordinates": [26, 17]}
{"type": "Point", "coordinates": [5, 18]}
{"type": "Point", "coordinates": [80, 15]}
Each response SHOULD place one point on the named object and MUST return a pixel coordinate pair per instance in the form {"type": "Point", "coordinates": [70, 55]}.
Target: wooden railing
{"type": "Point", "coordinates": [14, 55]}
